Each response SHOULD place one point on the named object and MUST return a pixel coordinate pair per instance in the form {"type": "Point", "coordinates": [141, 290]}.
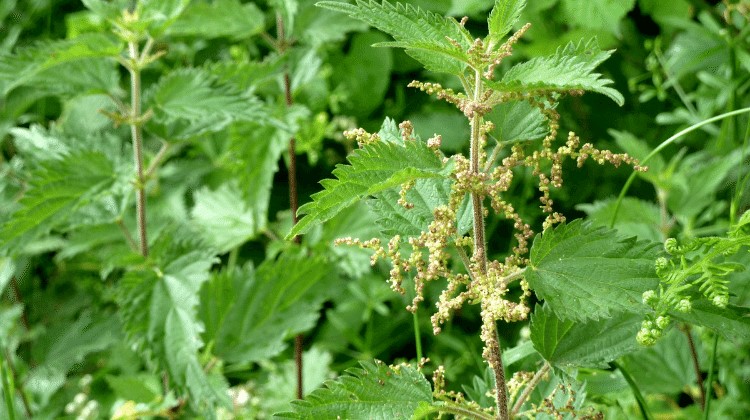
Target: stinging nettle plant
{"type": "Point", "coordinates": [174, 116]}
{"type": "Point", "coordinates": [432, 208]}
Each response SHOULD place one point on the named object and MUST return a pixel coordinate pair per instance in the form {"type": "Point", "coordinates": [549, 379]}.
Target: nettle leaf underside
{"type": "Point", "coordinates": [376, 391]}
{"type": "Point", "coordinates": [584, 272]}
{"type": "Point", "coordinates": [423, 34]}
{"type": "Point", "coordinates": [374, 168]}
{"type": "Point", "coordinates": [570, 68]}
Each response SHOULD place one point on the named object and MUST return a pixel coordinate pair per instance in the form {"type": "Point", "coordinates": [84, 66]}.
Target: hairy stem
{"type": "Point", "coordinates": [293, 203]}
{"type": "Point", "coordinates": [480, 250]}
{"type": "Point", "coordinates": [496, 362]}
{"type": "Point", "coordinates": [459, 410]}
{"type": "Point", "coordinates": [696, 365]}
{"type": "Point", "coordinates": [529, 388]}
{"type": "Point", "coordinates": [137, 136]}
{"type": "Point", "coordinates": [480, 253]}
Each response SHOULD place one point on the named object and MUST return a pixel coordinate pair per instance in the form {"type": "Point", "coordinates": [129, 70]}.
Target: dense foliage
{"type": "Point", "coordinates": [509, 208]}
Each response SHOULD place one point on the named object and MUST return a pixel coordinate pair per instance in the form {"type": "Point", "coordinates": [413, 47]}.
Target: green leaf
{"type": "Point", "coordinates": [596, 14]}
{"type": "Point", "coordinates": [321, 26]}
{"type": "Point", "coordinates": [142, 388]}
{"type": "Point", "coordinates": [7, 270]}
{"type": "Point", "coordinates": [517, 121]}
{"type": "Point", "coordinates": [56, 189]}
{"type": "Point", "coordinates": [365, 74]}
{"type": "Point", "coordinates": [502, 18]}
{"type": "Point", "coordinates": [159, 15]}
{"type": "Point", "coordinates": [254, 154]}
{"type": "Point", "coordinates": [280, 299]}
{"type": "Point", "coordinates": [732, 322]}
{"type": "Point", "coordinates": [375, 391]}
{"type": "Point", "coordinates": [427, 194]}
{"type": "Point", "coordinates": [635, 218]}
{"type": "Point", "coordinates": [22, 67]}
{"type": "Point", "coordinates": [570, 68]}
{"type": "Point", "coordinates": [584, 272]}
{"type": "Point", "coordinates": [222, 217]}
{"type": "Point", "coordinates": [220, 18]}
{"type": "Point", "coordinates": [665, 367]}
{"type": "Point", "coordinates": [374, 168]}
{"type": "Point", "coordinates": [281, 387]}
{"type": "Point", "coordinates": [190, 102]}
{"type": "Point", "coordinates": [158, 306]}
{"type": "Point", "coordinates": [68, 345]}
{"type": "Point", "coordinates": [423, 34]}
{"type": "Point", "coordinates": [593, 343]}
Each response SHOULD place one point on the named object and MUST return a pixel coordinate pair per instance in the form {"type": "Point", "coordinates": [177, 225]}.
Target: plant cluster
{"type": "Point", "coordinates": [154, 261]}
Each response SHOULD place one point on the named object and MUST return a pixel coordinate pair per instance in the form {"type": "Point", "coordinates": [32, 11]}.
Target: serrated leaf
{"type": "Point", "coordinates": [517, 121]}
{"type": "Point", "coordinates": [374, 168]}
{"type": "Point", "coordinates": [593, 343]}
{"type": "Point", "coordinates": [21, 67]}
{"type": "Point", "coordinates": [220, 18]}
{"type": "Point", "coordinates": [423, 34]}
{"type": "Point", "coordinates": [502, 18]}
{"type": "Point", "coordinates": [570, 68]}
{"type": "Point", "coordinates": [426, 195]}
{"type": "Point", "coordinates": [374, 391]}
{"type": "Point", "coordinates": [588, 273]}
{"type": "Point", "coordinates": [255, 153]}
{"type": "Point", "coordinates": [158, 306]}
{"type": "Point", "coordinates": [56, 189]}
{"type": "Point", "coordinates": [278, 300]}
{"type": "Point", "coordinates": [191, 102]}
{"type": "Point", "coordinates": [321, 26]}
{"type": "Point", "coordinates": [222, 217]}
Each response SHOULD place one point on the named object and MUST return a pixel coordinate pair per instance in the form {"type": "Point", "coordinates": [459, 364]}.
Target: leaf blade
{"type": "Point", "coordinates": [587, 273]}
{"type": "Point", "coordinates": [502, 18]}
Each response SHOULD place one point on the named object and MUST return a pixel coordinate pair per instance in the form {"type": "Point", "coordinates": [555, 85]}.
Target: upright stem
{"type": "Point", "coordinates": [710, 381]}
{"type": "Point", "coordinates": [293, 204]}
{"type": "Point", "coordinates": [696, 366]}
{"type": "Point", "coordinates": [480, 253]}
{"type": "Point", "coordinates": [480, 250]}
{"type": "Point", "coordinates": [137, 136]}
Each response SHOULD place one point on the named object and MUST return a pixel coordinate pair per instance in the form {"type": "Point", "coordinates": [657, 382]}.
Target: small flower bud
{"type": "Point", "coordinates": [649, 298]}
{"type": "Point", "coordinates": [721, 301]}
{"type": "Point", "coordinates": [662, 322]}
{"type": "Point", "coordinates": [684, 305]}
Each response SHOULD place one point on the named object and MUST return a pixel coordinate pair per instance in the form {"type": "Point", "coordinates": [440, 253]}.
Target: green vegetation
{"type": "Point", "coordinates": [367, 209]}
